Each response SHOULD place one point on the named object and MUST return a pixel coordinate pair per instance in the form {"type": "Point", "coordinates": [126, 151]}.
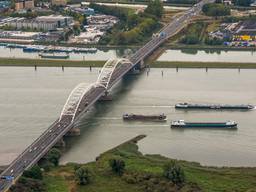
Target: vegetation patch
{"type": "Point", "coordinates": [189, 64]}
{"type": "Point", "coordinates": [133, 28]}
{"type": "Point", "coordinates": [216, 9]}
{"type": "Point", "coordinates": [125, 169]}
{"type": "Point", "coordinates": [194, 33]}
{"type": "Point", "coordinates": [49, 63]}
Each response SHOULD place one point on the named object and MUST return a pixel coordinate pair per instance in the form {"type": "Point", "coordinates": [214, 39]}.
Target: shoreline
{"type": "Point", "coordinates": [136, 46]}
{"type": "Point", "coordinates": [20, 62]}
{"type": "Point", "coordinates": [138, 165]}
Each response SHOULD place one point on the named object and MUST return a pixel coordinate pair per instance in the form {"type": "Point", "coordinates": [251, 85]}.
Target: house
{"type": "Point", "coordinates": [24, 4]}
{"type": "Point", "coordinates": [59, 2]}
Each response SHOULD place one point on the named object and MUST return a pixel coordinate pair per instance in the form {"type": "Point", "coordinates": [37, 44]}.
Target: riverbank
{"type": "Point", "coordinates": [156, 64]}
{"type": "Point", "coordinates": [48, 63]}
{"type": "Point", "coordinates": [174, 64]}
{"type": "Point", "coordinates": [208, 47]}
{"type": "Point", "coordinates": [145, 173]}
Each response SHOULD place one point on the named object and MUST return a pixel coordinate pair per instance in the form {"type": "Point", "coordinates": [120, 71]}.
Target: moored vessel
{"type": "Point", "coordinates": [161, 117]}
{"type": "Point", "coordinates": [213, 106]}
{"type": "Point", "coordinates": [53, 56]}
{"type": "Point", "coordinates": [184, 124]}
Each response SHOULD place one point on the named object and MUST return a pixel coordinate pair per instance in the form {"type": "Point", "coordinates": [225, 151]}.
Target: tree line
{"type": "Point", "coordinates": [133, 27]}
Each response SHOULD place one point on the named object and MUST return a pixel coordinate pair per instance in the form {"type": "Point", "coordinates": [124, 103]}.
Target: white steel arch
{"type": "Point", "coordinates": [71, 106]}
{"type": "Point", "coordinates": [108, 69]}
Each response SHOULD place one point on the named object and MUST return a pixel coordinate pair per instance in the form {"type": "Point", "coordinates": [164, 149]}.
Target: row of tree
{"type": "Point", "coordinates": [132, 28]}
{"type": "Point", "coordinates": [216, 9]}
{"type": "Point", "coordinates": [172, 171]}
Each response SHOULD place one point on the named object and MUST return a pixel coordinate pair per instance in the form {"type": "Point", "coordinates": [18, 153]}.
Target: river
{"type": "Point", "coordinates": [192, 55]}
{"type": "Point", "coordinates": [209, 55]}
{"type": "Point", "coordinates": [31, 100]}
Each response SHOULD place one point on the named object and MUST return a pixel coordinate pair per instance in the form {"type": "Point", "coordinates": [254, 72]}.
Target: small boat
{"type": "Point", "coordinates": [161, 117]}
{"type": "Point", "coordinates": [54, 56]}
{"type": "Point", "coordinates": [33, 49]}
{"type": "Point", "coordinates": [3, 44]}
{"type": "Point", "coordinates": [183, 124]}
{"type": "Point", "coordinates": [213, 106]}
{"type": "Point", "coordinates": [15, 46]}
{"type": "Point", "coordinates": [85, 50]}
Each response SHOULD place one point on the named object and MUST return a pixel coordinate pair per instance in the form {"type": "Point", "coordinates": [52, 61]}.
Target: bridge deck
{"type": "Point", "coordinates": [61, 126]}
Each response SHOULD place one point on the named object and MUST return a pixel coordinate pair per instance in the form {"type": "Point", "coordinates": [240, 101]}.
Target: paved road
{"type": "Point", "coordinates": [31, 155]}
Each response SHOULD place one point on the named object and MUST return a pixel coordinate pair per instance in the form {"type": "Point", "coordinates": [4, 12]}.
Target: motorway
{"type": "Point", "coordinates": [33, 153]}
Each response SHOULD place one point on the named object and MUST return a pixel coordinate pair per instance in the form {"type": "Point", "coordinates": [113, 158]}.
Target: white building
{"type": "Point", "coordinates": [44, 23]}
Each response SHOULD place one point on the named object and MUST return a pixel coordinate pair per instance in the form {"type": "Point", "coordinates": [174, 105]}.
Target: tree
{"type": "Point", "coordinates": [216, 9]}
{"type": "Point", "coordinates": [53, 156]}
{"type": "Point", "coordinates": [117, 165]}
{"type": "Point", "coordinates": [218, 1]}
{"type": "Point", "coordinates": [244, 3]}
{"type": "Point", "coordinates": [34, 173]}
{"type": "Point", "coordinates": [83, 176]}
{"type": "Point", "coordinates": [76, 29]}
{"type": "Point", "coordinates": [25, 184]}
{"type": "Point", "coordinates": [155, 7]}
{"type": "Point", "coordinates": [173, 172]}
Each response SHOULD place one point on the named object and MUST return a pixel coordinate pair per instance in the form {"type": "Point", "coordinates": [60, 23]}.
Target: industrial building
{"type": "Point", "coordinates": [59, 2]}
{"type": "Point", "coordinates": [42, 23]}
{"type": "Point", "coordinates": [24, 4]}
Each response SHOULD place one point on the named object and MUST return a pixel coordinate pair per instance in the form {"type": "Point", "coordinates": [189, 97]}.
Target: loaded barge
{"type": "Point", "coordinates": [161, 117]}
{"type": "Point", "coordinates": [213, 106]}
{"type": "Point", "coordinates": [53, 56]}
{"type": "Point", "coordinates": [184, 124]}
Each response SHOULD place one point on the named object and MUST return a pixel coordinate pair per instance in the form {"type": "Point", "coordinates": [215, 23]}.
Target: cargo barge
{"type": "Point", "coordinates": [213, 106]}
{"type": "Point", "coordinates": [54, 56]}
{"type": "Point", "coordinates": [184, 124]}
{"type": "Point", "coordinates": [161, 117]}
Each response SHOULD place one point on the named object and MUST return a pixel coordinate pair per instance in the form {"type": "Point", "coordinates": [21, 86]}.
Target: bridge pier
{"type": "Point", "coordinates": [73, 132]}
{"type": "Point", "coordinates": [142, 64]}
{"type": "Point", "coordinates": [60, 143]}
{"type": "Point", "coordinates": [106, 97]}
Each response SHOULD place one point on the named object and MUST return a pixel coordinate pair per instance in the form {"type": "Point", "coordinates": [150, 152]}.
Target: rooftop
{"type": "Point", "coordinates": [52, 18]}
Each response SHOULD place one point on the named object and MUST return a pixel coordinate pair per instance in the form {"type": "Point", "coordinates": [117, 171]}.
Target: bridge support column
{"type": "Point", "coordinates": [106, 97]}
{"type": "Point", "coordinates": [73, 132]}
{"type": "Point", "coordinates": [142, 64]}
{"type": "Point", "coordinates": [60, 143]}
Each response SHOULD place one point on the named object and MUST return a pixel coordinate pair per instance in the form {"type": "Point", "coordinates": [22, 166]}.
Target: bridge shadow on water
{"type": "Point", "coordinates": [92, 119]}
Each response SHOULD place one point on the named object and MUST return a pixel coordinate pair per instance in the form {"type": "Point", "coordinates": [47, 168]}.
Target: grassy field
{"type": "Point", "coordinates": [173, 64]}
{"type": "Point", "coordinates": [48, 63]}
{"type": "Point", "coordinates": [153, 64]}
{"type": "Point", "coordinates": [144, 173]}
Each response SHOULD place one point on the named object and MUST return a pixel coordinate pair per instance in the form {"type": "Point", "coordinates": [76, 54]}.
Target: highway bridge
{"type": "Point", "coordinates": [83, 97]}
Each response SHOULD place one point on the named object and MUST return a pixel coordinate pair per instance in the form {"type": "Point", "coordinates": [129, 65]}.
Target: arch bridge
{"type": "Point", "coordinates": [76, 101]}
{"type": "Point", "coordinates": [110, 69]}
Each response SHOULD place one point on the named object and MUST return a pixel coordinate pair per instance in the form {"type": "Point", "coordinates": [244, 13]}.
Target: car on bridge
{"type": "Point", "coordinates": [7, 177]}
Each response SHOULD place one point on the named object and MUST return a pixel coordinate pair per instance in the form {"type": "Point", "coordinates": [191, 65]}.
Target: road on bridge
{"type": "Point", "coordinates": [82, 98]}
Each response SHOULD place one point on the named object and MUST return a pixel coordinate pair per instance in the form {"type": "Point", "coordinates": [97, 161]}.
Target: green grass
{"type": "Point", "coordinates": [49, 63]}
{"type": "Point", "coordinates": [184, 64]}
{"type": "Point", "coordinates": [155, 64]}
{"type": "Point", "coordinates": [55, 184]}
{"type": "Point", "coordinates": [138, 166]}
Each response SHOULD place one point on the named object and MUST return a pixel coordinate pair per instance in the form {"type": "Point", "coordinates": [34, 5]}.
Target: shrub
{"type": "Point", "coordinates": [53, 156]}
{"type": "Point", "coordinates": [173, 172]}
{"type": "Point", "coordinates": [83, 176]}
{"type": "Point", "coordinates": [34, 173]}
{"type": "Point", "coordinates": [155, 8]}
{"type": "Point", "coordinates": [117, 166]}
